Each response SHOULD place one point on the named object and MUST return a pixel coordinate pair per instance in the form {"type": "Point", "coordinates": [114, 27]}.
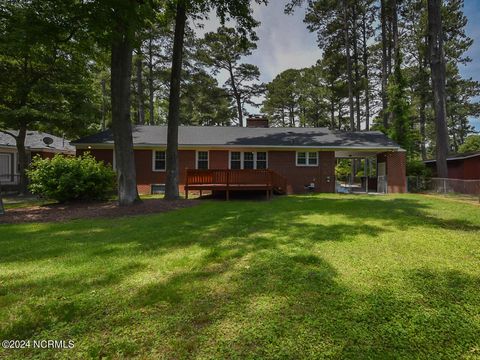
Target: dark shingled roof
{"type": "Point", "coordinates": [34, 140]}
{"type": "Point", "coordinates": [454, 157]}
{"type": "Point", "coordinates": [242, 136]}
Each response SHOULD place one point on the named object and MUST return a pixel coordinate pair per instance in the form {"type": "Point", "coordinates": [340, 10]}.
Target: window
{"type": "Point", "coordinates": [235, 160]}
{"type": "Point", "coordinates": [202, 160]}
{"type": "Point", "coordinates": [159, 161]}
{"type": "Point", "coordinates": [248, 160]}
{"type": "Point", "coordinates": [261, 160]}
{"type": "Point", "coordinates": [307, 158]}
{"type": "Point", "coordinates": [158, 189]}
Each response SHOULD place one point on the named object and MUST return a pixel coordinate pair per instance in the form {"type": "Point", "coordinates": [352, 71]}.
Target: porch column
{"type": "Point", "coordinates": [396, 164]}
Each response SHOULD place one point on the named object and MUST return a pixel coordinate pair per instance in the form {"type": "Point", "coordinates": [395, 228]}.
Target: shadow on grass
{"type": "Point", "coordinates": [283, 300]}
{"type": "Point", "coordinates": [193, 226]}
{"type": "Point", "coordinates": [294, 307]}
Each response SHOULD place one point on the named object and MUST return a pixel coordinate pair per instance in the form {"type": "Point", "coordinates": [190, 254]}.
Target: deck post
{"type": "Point", "coordinates": [186, 184]}
{"type": "Point", "coordinates": [228, 185]}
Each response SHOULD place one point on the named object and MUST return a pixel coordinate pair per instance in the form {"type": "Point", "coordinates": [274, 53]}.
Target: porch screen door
{"type": "Point", "coordinates": [382, 178]}
{"type": "Point", "coordinates": [5, 168]}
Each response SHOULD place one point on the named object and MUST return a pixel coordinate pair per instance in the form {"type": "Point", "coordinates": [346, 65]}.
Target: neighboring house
{"type": "Point", "coordinates": [243, 155]}
{"type": "Point", "coordinates": [35, 145]}
{"type": "Point", "coordinates": [461, 166]}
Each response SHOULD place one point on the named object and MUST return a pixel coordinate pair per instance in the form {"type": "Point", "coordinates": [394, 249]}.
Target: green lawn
{"type": "Point", "coordinates": [16, 202]}
{"type": "Point", "coordinates": [298, 277]}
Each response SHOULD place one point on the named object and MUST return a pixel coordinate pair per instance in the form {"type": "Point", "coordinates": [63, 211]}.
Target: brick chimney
{"type": "Point", "coordinates": [257, 121]}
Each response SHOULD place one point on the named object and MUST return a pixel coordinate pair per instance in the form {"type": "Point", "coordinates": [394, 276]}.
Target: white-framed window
{"type": "Point", "coordinates": [235, 160]}
{"type": "Point", "coordinates": [261, 162]}
{"type": "Point", "coordinates": [248, 160]}
{"type": "Point", "coordinates": [159, 159]}
{"type": "Point", "coordinates": [202, 160]}
{"type": "Point", "coordinates": [307, 158]}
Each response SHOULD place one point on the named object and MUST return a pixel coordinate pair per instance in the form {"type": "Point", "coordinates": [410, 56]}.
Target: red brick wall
{"type": "Point", "coordinates": [218, 159]}
{"type": "Point", "coordinates": [104, 155]}
{"type": "Point", "coordinates": [257, 122]}
{"type": "Point", "coordinates": [43, 154]}
{"type": "Point", "coordinates": [283, 162]}
{"type": "Point", "coordinates": [396, 170]}
{"type": "Point", "coordinates": [144, 166]}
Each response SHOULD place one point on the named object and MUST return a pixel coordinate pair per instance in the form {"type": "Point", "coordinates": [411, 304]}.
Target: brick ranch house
{"type": "Point", "coordinates": [243, 156]}
{"type": "Point", "coordinates": [34, 145]}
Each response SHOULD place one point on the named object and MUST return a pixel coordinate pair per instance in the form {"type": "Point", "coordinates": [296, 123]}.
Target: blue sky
{"type": "Point", "coordinates": [472, 10]}
{"type": "Point", "coordinates": [284, 41]}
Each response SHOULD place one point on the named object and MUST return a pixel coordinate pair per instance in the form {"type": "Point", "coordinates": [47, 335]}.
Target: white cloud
{"type": "Point", "coordinates": [284, 42]}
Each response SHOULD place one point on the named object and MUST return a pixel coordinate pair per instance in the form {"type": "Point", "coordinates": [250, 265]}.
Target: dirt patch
{"type": "Point", "coordinates": [64, 212]}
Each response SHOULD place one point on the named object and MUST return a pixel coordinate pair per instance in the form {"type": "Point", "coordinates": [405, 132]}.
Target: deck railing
{"type": "Point", "coordinates": [229, 179]}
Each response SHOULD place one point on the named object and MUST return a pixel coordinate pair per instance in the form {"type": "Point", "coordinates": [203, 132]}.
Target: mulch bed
{"type": "Point", "coordinates": [64, 212]}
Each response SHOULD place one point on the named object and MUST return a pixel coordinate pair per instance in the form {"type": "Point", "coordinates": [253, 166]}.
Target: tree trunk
{"type": "Point", "coordinates": [104, 105]}
{"type": "Point", "coordinates": [396, 43]}
{"type": "Point", "coordinates": [141, 108]}
{"type": "Point", "coordinates": [151, 99]}
{"type": "Point", "coordinates": [121, 72]}
{"type": "Point", "coordinates": [422, 116]}
{"type": "Point", "coordinates": [396, 47]}
{"type": "Point", "coordinates": [384, 63]}
{"type": "Point", "coordinates": [236, 95]}
{"type": "Point", "coordinates": [365, 72]}
{"type": "Point", "coordinates": [2, 208]}
{"type": "Point", "coordinates": [332, 113]}
{"type": "Point", "coordinates": [171, 188]}
{"type": "Point", "coordinates": [22, 159]}
{"type": "Point", "coordinates": [349, 65]}
{"type": "Point", "coordinates": [357, 72]}
{"type": "Point", "coordinates": [423, 98]}
{"type": "Point", "coordinates": [340, 114]}
{"type": "Point", "coordinates": [437, 65]}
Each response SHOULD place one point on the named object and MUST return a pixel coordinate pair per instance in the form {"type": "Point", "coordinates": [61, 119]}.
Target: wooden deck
{"type": "Point", "coordinates": [235, 180]}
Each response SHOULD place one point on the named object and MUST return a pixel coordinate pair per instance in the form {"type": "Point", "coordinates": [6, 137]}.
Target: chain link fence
{"type": "Point", "coordinates": [416, 184]}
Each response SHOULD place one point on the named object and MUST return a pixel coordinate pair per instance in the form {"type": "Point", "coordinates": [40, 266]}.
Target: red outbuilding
{"type": "Point", "coordinates": [461, 166]}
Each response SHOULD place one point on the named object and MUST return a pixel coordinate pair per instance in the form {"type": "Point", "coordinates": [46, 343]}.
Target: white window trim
{"type": "Point", "coordinates": [196, 159]}
{"type": "Point", "coordinates": [307, 154]}
{"type": "Point", "coordinates": [153, 160]}
{"type": "Point", "coordinates": [242, 159]}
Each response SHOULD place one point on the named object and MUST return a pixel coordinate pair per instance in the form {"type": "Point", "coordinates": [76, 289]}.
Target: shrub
{"type": "Point", "coordinates": [68, 178]}
{"type": "Point", "coordinates": [416, 167]}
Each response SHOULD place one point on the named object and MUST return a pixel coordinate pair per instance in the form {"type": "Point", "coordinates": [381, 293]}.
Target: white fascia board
{"type": "Point", "coordinates": [227, 147]}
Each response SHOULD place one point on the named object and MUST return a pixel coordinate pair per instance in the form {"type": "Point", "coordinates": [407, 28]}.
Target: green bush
{"type": "Point", "coordinates": [416, 167]}
{"type": "Point", "coordinates": [68, 178]}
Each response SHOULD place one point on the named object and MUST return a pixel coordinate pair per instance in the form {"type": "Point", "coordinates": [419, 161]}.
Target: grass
{"type": "Point", "coordinates": [322, 276]}
{"type": "Point", "coordinates": [472, 199]}
{"type": "Point", "coordinates": [16, 202]}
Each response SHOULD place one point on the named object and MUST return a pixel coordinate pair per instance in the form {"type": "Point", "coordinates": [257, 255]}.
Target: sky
{"type": "Point", "coordinates": [285, 42]}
